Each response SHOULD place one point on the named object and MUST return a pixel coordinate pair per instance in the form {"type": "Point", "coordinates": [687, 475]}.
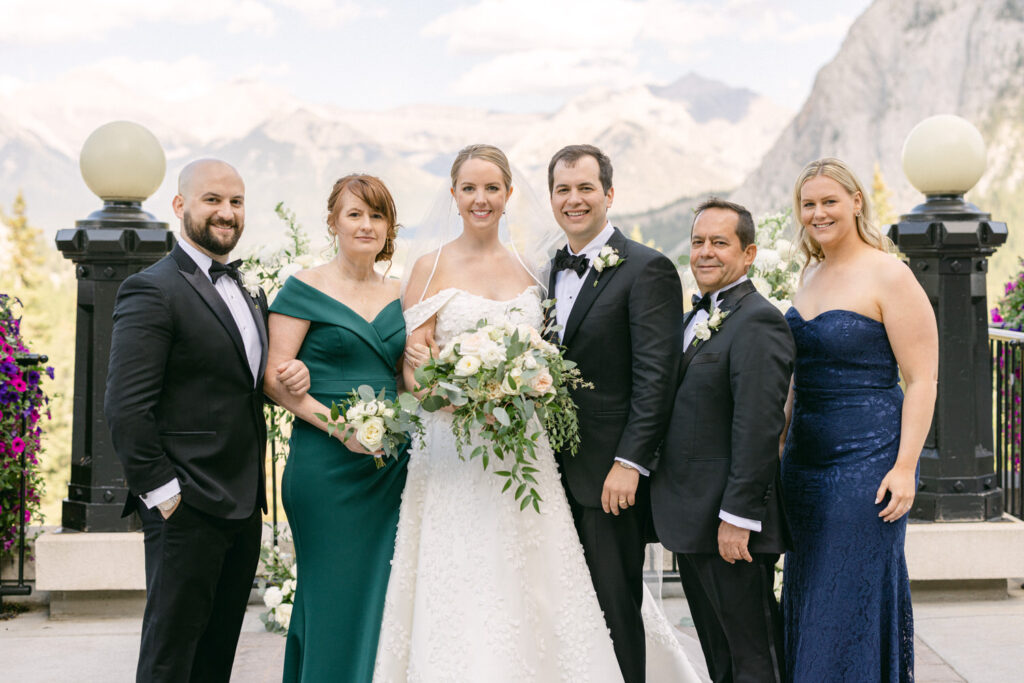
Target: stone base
{"type": "Point", "coordinates": [97, 604]}
{"type": "Point", "coordinates": [71, 561]}
{"type": "Point", "coordinates": [962, 589]}
{"type": "Point", "coordinates": [972, 558]}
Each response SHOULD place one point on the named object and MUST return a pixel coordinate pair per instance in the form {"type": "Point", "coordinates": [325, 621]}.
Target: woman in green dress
{"type": "Point", "coordinates": [344, 321]}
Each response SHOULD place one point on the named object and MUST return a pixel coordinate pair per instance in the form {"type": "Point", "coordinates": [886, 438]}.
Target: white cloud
{"type": "Point", "coordinates": [329, 13]}
{"type": "Point", "coordinates": [171, 81]}
{"type": "Point", "coordinates": [31, 21]}
{"type": "Point", "coordinates": [498, 26]}
{"type": "Point", "coordinates": [565, 72]}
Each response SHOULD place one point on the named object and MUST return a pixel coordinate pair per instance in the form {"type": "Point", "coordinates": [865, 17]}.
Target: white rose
{"type": "Point", "coordinates": [370, 408]}
{"type": "Point", "coordinates": [495, 333]}
{"type": "Point", "coordinates": [702, 331]}
{"type": "Point", "coordinates": [470, 344]}
{"type": "Point", "coordinates": [715, 319]}
{"type": "Point", "coordinates": [387, 412]}
{"type": "Point", "coordinates": [606, 250]}
{"type": "Point", "coordinates": [288, 587]}
{"type": "Point", "coordinates": [492, 354]}
{"type": "Point", "coordinates": [784, 247]}
{"type": "Point", "coordinates": [493, 390]}
{"type": "Point", "coordinates": [283, 615]}
{"type": "Point", "coordinates": [506, 384]}
{"type": "Point", "coordinates": [529, 362]}
{"type": "Point", "coordinates": [598, 264]}
{"type": "Point", "coordinates": [294, 571]}
{"type": "Point", "coordinates": [543, 383]}
{"type": "Point", "coordinates": [467, 365]}
{"type": "Point", "coordinates": [761, 285]}
{"type": "Point", "coordinates": [355, 412]}
{"type": "Point", "coordinates": [447, 354]}
{"type": "Point", "coordinates": [272, 597]}
{"type": "Point", "coordinates": [371, 433]}
{"type": "Point", "coordinates": [251, 281]}
{"type": "Point", "coordinates": [766, 259]}
{"type": "Point", "coordinates": [270, 252]}
{"type": "Point", "coordinates": [613, 259]}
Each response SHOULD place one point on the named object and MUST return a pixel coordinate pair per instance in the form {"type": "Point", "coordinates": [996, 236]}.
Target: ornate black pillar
{"type": "Point", "coordinates": [118, 240]}
{"type": "Point", "coordinates": [947, 242]}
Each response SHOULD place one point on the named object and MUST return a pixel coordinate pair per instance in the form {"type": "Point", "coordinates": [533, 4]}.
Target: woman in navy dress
{"type": "Point", "coordinates": [849, 466]}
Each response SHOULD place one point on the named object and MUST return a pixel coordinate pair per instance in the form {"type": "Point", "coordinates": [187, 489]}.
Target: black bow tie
{"type": "Point", "coordinates": [566, 261]}
{"type": "Point", "coordinates": [700, 302]}
{"type": "Point", "coordinates": [217, 269]}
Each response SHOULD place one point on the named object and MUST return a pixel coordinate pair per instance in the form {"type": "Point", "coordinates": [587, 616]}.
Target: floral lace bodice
{"type": "Point", "coordinates": [458, 310]}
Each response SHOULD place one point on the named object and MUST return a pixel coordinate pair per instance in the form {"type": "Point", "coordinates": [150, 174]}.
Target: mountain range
{"type": "Point", "coordinates": [690, 136]}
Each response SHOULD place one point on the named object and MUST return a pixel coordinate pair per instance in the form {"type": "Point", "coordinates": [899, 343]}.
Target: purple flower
{"type": "Point", "coordinates": [49, 371]}
{"type": "Point", "coordinates": [1010, 286]}
{"type": "Point", "coordinates": [18, 384]}
{"type": "Point", "coordinates": [996, 318]}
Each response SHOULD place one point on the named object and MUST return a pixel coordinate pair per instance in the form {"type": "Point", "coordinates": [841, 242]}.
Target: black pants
{"type": "Point", "coordinates": [199, 572]}
{"type": "Point", "coordinates": [736, 615]}
{"type": "Point", "coordinates": [614, 549]}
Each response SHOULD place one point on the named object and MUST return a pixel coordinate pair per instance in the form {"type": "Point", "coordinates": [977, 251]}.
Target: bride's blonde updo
{"type": "Point", "coordinates": [838, 171]}
{"type": "Point", "coordinates": [487, 153]}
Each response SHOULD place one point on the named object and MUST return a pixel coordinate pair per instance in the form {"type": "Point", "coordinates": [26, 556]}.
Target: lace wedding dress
{"type": "Point", "coordinates": [479, 590]}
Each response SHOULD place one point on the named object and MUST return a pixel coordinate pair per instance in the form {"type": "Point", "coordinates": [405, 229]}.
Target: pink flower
{"type": "Point", "coordinates": [17, 445]}
{"type": "Point", "coordinates": [996, 318]}
{"type": "Point", "coordinates": [18, 384]}
{"type": "Point", "coordinates": [1010, 286]}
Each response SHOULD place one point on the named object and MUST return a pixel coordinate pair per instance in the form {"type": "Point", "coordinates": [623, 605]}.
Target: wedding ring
{"type": "Point", "coordinates": [621, 501]}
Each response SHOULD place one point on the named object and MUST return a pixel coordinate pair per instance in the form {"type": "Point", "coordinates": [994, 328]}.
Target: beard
{"type": "Point", "coordinates": [203, 236]}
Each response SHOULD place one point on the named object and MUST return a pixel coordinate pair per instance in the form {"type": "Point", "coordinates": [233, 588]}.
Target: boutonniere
{"type": "Point", "coordinates": [251, 282]}
{"type": "Point", "coordinates": [702, 330]}
{"type": "Point", "coordinates": [608, 257]}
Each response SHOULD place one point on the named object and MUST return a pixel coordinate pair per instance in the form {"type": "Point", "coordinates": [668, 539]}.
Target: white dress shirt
{"type": "Point", "coordinates": [234, 297]}
{"type": "Point", "coordinates": [567, 288]}
{"type": "Point", "coordinates": [688, 335]}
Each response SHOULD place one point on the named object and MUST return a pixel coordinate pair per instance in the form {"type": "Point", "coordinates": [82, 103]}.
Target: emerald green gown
{"type": "Point", "coordinates": [342, 510]}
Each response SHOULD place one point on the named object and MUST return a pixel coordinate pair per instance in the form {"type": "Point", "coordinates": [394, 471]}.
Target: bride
{"type": "Point", "coordinates": [480, 590]}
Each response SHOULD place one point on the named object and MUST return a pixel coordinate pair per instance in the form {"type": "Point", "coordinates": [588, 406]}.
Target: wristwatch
{"type": "Point", "coordinates": [168, 505]}
{"type": "Point", "coordinates": [626, 465]}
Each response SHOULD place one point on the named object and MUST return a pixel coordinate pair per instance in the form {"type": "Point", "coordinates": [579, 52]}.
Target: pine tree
{"type": "Point", "coordinates": [23, 255]}
{"type": "Point", "coordinates": [880, 195]}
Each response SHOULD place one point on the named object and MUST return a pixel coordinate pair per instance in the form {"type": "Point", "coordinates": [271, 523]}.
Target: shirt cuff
{"type": "Point", "coordinates": [642, 470]}
{"type": "Point", "coordinates": [741, 522]}
{"type": "Point", "coordinates": [159, 495]}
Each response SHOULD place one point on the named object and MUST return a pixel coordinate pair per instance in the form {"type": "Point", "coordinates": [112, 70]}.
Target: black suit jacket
{"type": "Point", "coordinates": [624, 335]}
{"type": "Point", "coordinates": [721, 450]}
{"type": "Point", "coordinates": [181, 400]}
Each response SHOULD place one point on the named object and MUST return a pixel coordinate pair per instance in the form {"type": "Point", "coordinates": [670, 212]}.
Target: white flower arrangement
{"type": "Point", "coordinates": [379, 424]}
{"type": "Point", "coordinates": [776, 269]}
{"type": "Point", "coordinates": [608, 257]}
{"type": "Point", "coordinates": [277, 584]}
{"type": "Point", "coordinates": [702, 331]}
{"type": "Point", "coordinates": [497, 377]}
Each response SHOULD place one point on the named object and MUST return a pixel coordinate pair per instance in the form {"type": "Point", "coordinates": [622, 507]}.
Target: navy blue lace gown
{"type": "Point", "coordinates": [845, 593]}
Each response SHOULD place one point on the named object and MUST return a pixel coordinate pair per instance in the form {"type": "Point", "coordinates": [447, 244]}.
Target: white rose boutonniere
{"type": "Point", "coordinates": [608, 257]}
{"type": "Point", "coordinates": [251, 282]}
{"type": "Point", "coordinates": [702, 331]}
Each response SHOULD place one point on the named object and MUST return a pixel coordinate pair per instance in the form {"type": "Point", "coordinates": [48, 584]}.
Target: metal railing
{"type": "Point", "coordinates": [1007, 350]}
{"type": "Point", "coordinates": [20, 586]}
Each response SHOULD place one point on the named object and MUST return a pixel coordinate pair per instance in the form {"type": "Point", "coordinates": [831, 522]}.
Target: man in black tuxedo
{"type": "Point", "coordinates": [715, 496]}
{"type": "Point", "coordinates": [617, 309]}
{"type": "Point", "coordinates": [184, 404]}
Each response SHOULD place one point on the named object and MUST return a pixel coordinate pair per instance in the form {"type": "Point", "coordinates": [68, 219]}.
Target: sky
{"type": "Point", "coordinates": [503, 55]}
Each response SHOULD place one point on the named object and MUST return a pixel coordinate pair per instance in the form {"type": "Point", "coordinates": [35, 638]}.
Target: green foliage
{"type": "Point", "coordinates": [1009, 310]}
{"type": "Point", "coordinates": [377, 423]}
{"type": "Point", "coordinates": [277, 583]}
{"type": "Point", "coordinates": [24, 256]}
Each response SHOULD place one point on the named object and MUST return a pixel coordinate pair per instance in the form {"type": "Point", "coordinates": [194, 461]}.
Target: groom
{"type": "Point", "coordinates": [617, 308]}
{"type": "Point", "coordinates": [715, 496]}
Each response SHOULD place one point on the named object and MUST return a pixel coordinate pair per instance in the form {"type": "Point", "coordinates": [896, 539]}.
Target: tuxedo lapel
{"type": "Point", "coordinates": [590, 291]}
{"type": "Point", "coordinates": [731, 300]}
{"type": "Point", "coordinates": [550, 314]}
{"type": "Point", "coordinates": [261, 327]}
{"type": "Point", "coordinates": [206, 291]}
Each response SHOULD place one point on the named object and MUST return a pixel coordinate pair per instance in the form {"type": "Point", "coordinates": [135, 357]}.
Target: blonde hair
{"type": "Point", "coordinates": [487, 153]}
{"type": "Point", "coordinates": [838, 171]}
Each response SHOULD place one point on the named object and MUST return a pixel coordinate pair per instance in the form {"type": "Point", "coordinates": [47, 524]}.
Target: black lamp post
{"type": "Point", "coordinates": [123, 164]}
{"type": "Point", "coordinates": [947, 242]}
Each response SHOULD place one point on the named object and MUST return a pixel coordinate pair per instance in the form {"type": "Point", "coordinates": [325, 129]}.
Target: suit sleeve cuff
{"type": "Point", "coordinates": [642, 470]}
{"type": "Point", "coordinates": [741, 522]}
{"type": "Point", "coordinates": [159, 495]}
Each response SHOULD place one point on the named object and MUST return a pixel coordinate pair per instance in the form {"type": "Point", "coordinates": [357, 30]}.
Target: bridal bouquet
{"type": "Point", "coordinates": [497, 378]}
{"type": "Point", "coordinates": [379, 424]}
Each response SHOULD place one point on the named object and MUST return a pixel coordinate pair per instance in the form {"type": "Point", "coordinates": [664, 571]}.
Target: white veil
{"type": "Point", "coordinates": [527, 228]}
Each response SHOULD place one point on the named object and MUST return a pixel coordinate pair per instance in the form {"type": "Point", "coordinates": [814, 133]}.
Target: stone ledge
{"type": "Point", "coordinates": [70, 561]}
{"type": "Point", "coordinates": [945, 551]}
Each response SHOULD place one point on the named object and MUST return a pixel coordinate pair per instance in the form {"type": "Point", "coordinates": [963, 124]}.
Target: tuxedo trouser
{"type": "Point", "coordinates": [614, 549]}
{"type": "Point", "coordinates": [736, 616]}
{"type": "Point", "coordinates": [199, 573]}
